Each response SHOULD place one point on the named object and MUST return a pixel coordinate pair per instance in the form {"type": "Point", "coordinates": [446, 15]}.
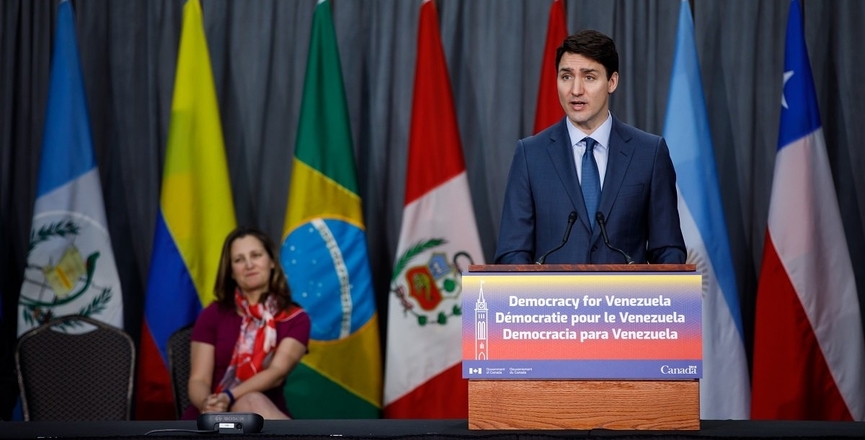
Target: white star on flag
{"type": "Point", "coordinates": [787, 76]}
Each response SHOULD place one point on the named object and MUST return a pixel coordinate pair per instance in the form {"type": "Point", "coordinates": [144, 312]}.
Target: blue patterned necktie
{"type": "Point", "coordinates": [591, 183]}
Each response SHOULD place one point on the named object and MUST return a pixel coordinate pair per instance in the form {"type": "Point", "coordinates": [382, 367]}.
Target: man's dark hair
{"type": "Point", "coordinates": [592, 45]}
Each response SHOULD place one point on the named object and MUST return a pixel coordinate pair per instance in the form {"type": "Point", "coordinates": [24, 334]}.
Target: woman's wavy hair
{"type": "Point", "coordinates": [226, 285]}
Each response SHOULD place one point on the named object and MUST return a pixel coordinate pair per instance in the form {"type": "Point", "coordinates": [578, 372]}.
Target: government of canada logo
{"type": "Point", "coordinates": [430, 291]}
{"type": "Point", "coordinates": [62, 266]}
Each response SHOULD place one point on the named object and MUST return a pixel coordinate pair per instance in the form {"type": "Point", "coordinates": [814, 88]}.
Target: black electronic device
{"type": "Point", "coordinates": [231, 422]}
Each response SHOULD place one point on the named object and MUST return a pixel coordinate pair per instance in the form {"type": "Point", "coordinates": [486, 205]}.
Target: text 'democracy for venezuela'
{"type": "Point", "coordinates": [593, 325]}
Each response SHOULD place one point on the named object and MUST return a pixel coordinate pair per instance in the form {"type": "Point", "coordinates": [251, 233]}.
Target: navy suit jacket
{"type": "Point", "coordinates": [638, 200]}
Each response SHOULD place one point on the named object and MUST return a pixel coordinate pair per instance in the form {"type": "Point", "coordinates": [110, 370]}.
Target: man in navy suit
{"type": "Point", "coordinates": [628, 178]}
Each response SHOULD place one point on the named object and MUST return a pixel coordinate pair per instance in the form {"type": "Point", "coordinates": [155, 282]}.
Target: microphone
{"type": "Point", "coordinates": [572, 217]}
{"type": "Point", "coordinates": [602, 222]}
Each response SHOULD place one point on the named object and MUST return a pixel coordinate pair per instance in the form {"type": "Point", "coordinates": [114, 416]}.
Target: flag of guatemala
{"type": "Point", "coordinates": [70, 263]}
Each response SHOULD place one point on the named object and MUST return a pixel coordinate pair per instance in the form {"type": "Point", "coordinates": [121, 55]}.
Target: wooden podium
{"type": "Point", "coordinates": [583, 404]}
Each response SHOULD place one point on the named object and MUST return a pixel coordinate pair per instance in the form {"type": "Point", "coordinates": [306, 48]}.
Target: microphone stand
{"type": "Point", "coordinates": [572, 218]}
{"type": "Point", "coordinates": [602, 222]}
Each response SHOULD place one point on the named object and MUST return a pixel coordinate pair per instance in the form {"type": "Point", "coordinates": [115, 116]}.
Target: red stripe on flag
{"type": "Point", "coordinates": [444, 396]}
{"type": "Point", "coordinates": [549, 110]}
{"type": "Point", "coordinates": [424, 377]}
{"type": "Point", "coordinates": [435, 135]}
{"type": "Point", "coordinates": [791, 379]}
{"type": "Point", "coordinates": [154, 399]}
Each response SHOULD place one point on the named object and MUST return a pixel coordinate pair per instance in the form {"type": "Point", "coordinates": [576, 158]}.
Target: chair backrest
{"type": "Point", "coordinates": [178, 362]}
{"type": "Point", "coordinates": [75, 368]}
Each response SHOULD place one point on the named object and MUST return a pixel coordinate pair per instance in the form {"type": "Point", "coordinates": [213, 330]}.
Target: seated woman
{"type": "Point", "coordinates": [246, 342]}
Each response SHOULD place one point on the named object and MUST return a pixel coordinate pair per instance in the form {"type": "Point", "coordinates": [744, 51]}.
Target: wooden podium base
{"type": "Point", "coordinates": [584, 404]}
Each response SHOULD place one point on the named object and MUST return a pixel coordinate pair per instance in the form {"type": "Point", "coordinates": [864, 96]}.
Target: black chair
{"type": "Point", "coordinates": [75, 368]}
{"type": "Point", "coordinates": [178, 362]}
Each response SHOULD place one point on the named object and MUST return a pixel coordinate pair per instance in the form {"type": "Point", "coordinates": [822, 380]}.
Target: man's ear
{"type": "Point", "coordinates": [613, 82]}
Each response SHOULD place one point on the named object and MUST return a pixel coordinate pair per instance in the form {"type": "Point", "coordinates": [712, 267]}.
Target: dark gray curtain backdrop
{"type": "Point", "coordinates": [493, 48]}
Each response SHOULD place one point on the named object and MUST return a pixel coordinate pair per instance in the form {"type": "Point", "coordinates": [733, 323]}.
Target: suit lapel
{"type": "Point", "coordinates": [620, 154]}
{"type": "Point", "coordinates": [562, 156]}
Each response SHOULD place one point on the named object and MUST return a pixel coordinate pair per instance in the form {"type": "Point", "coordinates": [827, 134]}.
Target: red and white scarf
{"type": "Point", "coordinates": [257, 340]}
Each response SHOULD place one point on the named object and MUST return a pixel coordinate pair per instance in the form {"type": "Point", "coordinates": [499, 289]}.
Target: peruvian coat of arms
{"type": "Point", "coordinates": [427, 282]}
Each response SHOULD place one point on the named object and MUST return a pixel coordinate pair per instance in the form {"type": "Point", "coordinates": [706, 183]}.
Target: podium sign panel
{"type": "Point", "coordinates": [582, 346]}
{"type": "Point", "coordinates": [589, 325]}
